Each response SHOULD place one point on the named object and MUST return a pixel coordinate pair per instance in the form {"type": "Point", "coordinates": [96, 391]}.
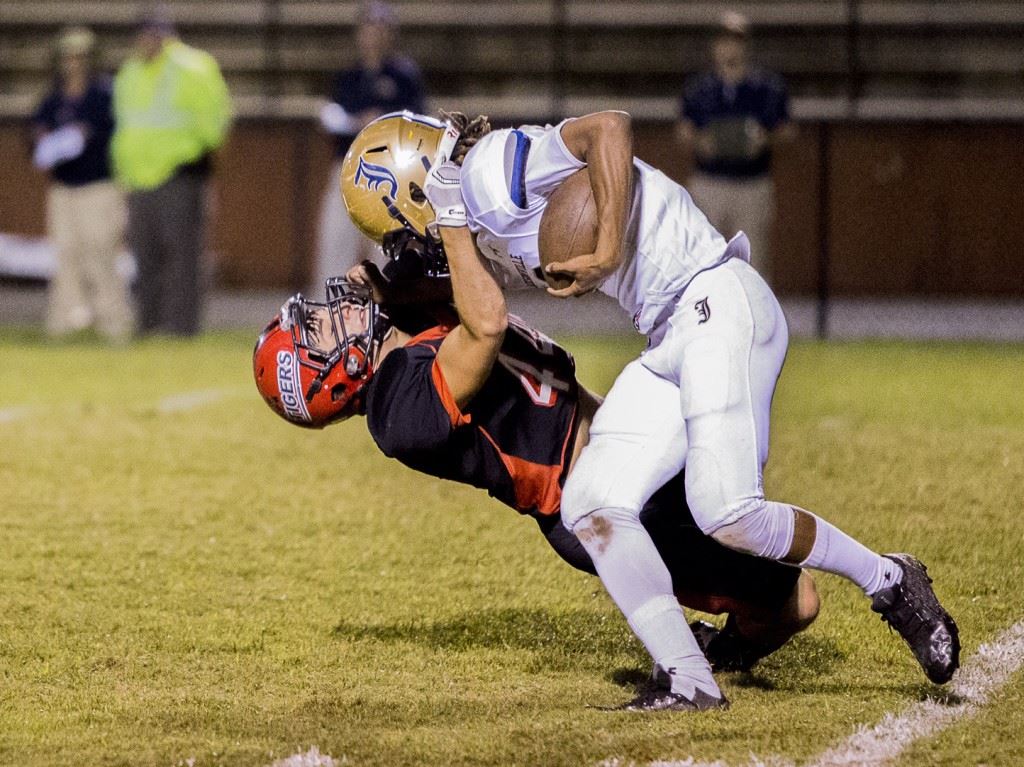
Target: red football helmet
{"type": "Point", "coordinates": [310, 367]}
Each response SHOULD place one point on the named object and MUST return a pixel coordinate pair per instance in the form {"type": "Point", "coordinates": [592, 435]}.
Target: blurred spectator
{"type": "Point", "coordinates": [172, 110]}
{"type": "Point", "coordinates": [382, 81]}
{"type": "Point", "coordinates": [731, 118]}
{"type": "Point", "coordinates": [84, 210]}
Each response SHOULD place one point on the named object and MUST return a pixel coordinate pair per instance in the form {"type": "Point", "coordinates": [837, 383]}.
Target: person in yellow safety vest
{"type": "Point", "coordinates": [172, 110]}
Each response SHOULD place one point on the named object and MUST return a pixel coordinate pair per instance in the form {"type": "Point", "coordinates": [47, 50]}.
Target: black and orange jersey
{"type": "Point", "coordinates": [515, 437]}
{"type": "Point", "coordinates": [514, 440]}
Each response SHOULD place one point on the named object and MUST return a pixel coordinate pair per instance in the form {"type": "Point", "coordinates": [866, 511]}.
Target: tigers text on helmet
{"type": "Point", "coordinates": [313, 361]}
{"type": "Point", "coordinates": [383, 172]}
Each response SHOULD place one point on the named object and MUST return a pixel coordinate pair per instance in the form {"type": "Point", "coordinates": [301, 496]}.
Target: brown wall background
{"type": "Point", "coordinates": [922, 209]}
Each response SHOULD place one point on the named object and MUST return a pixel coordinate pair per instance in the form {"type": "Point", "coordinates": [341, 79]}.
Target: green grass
{"type": "Point", "coordinates": [215, 584]}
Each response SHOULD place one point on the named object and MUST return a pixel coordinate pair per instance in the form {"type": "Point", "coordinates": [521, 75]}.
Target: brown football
{"type": "Point", "coordinates": [569, 225]}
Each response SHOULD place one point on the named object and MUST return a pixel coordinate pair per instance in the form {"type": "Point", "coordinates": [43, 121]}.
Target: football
{"type": "Point", "coordinates": [568, 227]}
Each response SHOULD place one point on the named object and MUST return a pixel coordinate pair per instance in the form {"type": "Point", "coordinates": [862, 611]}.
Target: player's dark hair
{"type": "Point", "coordinates": [470, 131]}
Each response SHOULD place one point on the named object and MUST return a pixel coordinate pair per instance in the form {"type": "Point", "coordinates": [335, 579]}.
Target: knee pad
{"type": "Point", "coordinates": [598, 481]}
{"type": "Point", "coordinates": [765, 530]}
{"type": "Point", "coordinates": [595, 530]}
{"type": "Point", "coordinates": [580, 499]}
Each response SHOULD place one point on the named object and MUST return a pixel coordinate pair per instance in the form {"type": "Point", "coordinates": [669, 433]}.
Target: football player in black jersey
{"type": "Point", "coordinates": [484, 400]}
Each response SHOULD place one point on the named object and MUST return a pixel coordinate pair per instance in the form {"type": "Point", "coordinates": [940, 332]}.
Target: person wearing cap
{"type": "Point", "coordinates": [731, 117]}
{"type": "Point", "coordinates": [381, 81]}
{"type": "Point", "coordinates": [85, 215]}
{"type": "Point", "coordinates": [172, 111]}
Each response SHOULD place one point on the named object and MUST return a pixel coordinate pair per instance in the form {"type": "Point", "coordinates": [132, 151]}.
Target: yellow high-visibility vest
{"type": "Point", "coordinates": [168, 112]}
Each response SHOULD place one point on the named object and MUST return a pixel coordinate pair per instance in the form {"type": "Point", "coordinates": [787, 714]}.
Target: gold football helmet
{"type": "Point", "coordinates": [383, 172]}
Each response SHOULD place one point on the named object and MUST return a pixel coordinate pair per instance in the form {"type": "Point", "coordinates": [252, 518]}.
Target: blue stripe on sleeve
{"type": "Point", "coordinates": [517, 184]}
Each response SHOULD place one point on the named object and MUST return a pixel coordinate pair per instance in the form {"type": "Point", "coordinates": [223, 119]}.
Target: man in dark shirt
{"type": "Point", "coordinates": [85, 211]}
{"type": "Point", "coordinates": [381, 81]}
{"type": "Point", "coordinates": [484, 400]}
{"type": "Point", "coordinates": [730, 118]}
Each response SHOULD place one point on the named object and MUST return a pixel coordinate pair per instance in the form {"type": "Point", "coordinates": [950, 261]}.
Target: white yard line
{"type": "Point", "coordinates": [15, 413]}
{"type": "Point", "coordinates": [312, 758]}
{"type": "Point", "coordinates": [985, 673]}
{"type": "Point", "coordinates": [190, 400]}
{"type": "Point", "coordinates": [172, 403]}
{"type": "Point", "coordinates": [981, 676]}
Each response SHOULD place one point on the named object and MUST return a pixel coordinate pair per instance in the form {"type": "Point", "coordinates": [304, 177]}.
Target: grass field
{"type": "Point", "coordinates": [187, 580]}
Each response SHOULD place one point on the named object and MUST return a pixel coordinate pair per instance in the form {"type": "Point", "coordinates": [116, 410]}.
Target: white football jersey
{"type": "Point", "coordinates": [507, 178]}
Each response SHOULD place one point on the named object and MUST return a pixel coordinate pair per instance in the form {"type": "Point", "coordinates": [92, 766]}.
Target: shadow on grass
{"type": "Point", "coordinates": [807, 663]}
{"type": "Point", "coordinates": [804, 660]}
{"type": "Point", "coordinates": [631, 678]}
{"type": "Point", "coordinates": [564, 638]}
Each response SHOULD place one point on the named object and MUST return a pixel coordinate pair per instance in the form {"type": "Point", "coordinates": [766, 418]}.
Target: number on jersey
{"type": "Point", "coordinates": [540, 383]}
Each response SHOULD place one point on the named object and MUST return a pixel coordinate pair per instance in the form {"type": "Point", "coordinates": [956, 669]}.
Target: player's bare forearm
{"type": "Point", "coordinates": [478, 298]}
{"type": "Point", "coordinates": [469, 352]}
{"type": "Point", "coordinates": [604, 141]}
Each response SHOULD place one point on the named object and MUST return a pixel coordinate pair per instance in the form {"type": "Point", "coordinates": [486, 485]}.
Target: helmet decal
{"type": "Point", "coordinates": [314, 359]}
{"type": "Point", "coordinates": [373, 176]}
{"type": "Point", "coordinates": [290, 387]}
{"type": "Point", "coordinates": [388, 162]}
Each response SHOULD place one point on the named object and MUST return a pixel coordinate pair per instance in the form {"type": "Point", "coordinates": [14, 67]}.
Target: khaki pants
{"type": "Point", "coordinates": [733, 205]}
{"type": "Point", "coordinates": [86, 226]}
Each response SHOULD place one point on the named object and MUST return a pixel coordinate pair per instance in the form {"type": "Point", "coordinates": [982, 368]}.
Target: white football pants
{"type": "Point", "coordinates": [699, 396]}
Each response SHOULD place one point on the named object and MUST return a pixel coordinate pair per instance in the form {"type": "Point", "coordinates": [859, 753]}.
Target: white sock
{"type": "Point", "coordinates": [768, 531]}
{"type": "Point", "coordinates": [836, 552]}
{"type": "Point", "coordinates": [638, 581]}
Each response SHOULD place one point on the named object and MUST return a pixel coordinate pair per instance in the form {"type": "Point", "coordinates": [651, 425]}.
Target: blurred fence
{"type": "Point", "coordinates": [906, 177]}
{"type": "Point", "coordinates": [539, 58]}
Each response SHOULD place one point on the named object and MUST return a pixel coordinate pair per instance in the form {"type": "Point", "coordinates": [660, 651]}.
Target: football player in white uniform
{"type": "Point", "coordinates": [700, 394]}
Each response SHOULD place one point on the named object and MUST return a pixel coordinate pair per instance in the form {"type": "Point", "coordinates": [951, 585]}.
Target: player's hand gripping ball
{"type": "Point", "coordinates": [568, 227]}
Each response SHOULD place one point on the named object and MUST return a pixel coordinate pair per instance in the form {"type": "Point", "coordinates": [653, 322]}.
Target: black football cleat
{"type": "Point", "coordinates": [726, 649]}
{"type": "Point", "coordinates": [705, 634]}
{"type": "Point", "coordinates": [657, 695]}
{"type": "Point", "coordinates": [912, 608]}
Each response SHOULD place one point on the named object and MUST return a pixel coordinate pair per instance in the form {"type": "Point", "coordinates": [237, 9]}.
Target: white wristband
{"type": "Point", "coordinates": [452, 215]}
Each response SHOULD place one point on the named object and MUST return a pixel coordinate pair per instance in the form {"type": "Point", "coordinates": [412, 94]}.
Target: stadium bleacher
{"type": "Point", "coordinates": [539, 57]}
{"type": "Point", "coordinates": [911, 115]}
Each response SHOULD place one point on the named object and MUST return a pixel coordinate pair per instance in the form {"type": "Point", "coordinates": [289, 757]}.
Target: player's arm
{"type": "Point", "coordinates": [604, 141]}
{"type": "Point", "coordinates": [470, 350]}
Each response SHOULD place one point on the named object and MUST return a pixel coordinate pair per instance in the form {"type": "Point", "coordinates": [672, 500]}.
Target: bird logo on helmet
{"type": "Point", "coordinates": [383, 172]}
{"type": "Point", "coordinates": [314, 360]}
